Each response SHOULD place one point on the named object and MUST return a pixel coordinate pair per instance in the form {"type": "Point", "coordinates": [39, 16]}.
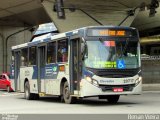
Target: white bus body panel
{"type": "Point", "coordinates": [48, 86]}
{"type": "Point", "coordinates": [26, 73]}
{"type": "Point", "coordinates": [53, 86]}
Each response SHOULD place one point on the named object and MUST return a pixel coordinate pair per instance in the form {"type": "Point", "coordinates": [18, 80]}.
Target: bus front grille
{"type": "Point", "coordinates": [111, 87]}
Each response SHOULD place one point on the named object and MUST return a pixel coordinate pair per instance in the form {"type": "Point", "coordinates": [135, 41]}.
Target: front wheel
{"type": "Point", "coordinates": [66, 94]}
{"type": "Point", "coordinates": [113, 98]}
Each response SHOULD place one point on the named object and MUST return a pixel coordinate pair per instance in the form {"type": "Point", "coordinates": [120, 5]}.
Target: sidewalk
{"type": "Point", "coordinates": [151, 87]}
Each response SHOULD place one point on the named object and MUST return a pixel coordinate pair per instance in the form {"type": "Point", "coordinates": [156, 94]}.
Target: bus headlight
{"type": "Point", "coordinates": [89, 79]}
{"type": "Point", "coordinates": [138, 80]}
{"type": "Point", "coordinates": [92, 81]}
{"type": "Point", "coordinates": [95, 82]}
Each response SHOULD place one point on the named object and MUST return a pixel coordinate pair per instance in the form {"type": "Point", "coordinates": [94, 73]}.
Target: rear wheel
{"type": "Point", "coordinates": [28, 95]}
{"type": "Point", "coordinates": [36, 96]}
{"type": "Point", "coordinates": [113, 98]}
{"type": "Point", "coordinates": [66, 95]}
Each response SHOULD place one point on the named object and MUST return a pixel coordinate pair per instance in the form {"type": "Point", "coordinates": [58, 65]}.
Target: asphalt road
{"type": "Point", "coordinates": [14, 103]}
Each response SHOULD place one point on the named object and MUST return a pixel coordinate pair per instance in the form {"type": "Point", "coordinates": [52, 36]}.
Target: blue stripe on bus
{"type": "Point", "coordinates": [49, 71]}
{"type": "Point", "coordinates": [47, 39]}
{"type": "Point", "coordinates": [35, 72]}
{"type": "Point", "coordinates": [86, 72]}
{"type": "Point", "coordinates": [69, 34]}
{"type": "Point", "coordinates": [42, 73]}
{"type": "Point", "coordinates": [34, 43]}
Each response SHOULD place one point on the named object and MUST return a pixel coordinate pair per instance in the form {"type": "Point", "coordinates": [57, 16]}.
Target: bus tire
{"type": "Point", "coordinates": [28, 95]}
{"type": "Point", "coordinates": [113, 98]}
{"type": "Point", "coordinates": [66, 94]}
{"type": "Point", "coordinates": [36, 96]}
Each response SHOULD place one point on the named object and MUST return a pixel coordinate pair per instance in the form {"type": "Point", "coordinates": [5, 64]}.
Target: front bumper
{"type": "Point", "coordinates": [87, 89]}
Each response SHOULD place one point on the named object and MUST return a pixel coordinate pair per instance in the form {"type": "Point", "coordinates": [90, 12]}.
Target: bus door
{"type": "Point", "coordinates": [17, 70]}
{"type": "Point", "coordinates": [41, 68]}
{"type": "Point", "coordinates": [75, 64]}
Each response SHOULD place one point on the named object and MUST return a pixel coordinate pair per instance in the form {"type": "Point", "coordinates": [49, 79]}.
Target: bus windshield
{"type": "Point", "coordinates": [112, 54]}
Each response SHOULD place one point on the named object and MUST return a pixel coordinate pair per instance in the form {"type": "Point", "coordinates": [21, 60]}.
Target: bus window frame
{"type": "Point", "coordinates": [47, 51]}
{"type": "Point", "coordinates": [29, 55]}
{"type": "Point", "coordinates": [61, 39]}
{"type": "Point", "coordinates": [44, 44]}
{"type": "Point", "coordinates": [22, 66]}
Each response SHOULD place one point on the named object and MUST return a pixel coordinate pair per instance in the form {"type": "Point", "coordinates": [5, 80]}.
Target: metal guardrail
{"type": "Point", "coordinates": [157, 57]}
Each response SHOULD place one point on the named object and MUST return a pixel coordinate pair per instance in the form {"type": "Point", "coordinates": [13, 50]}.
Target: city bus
{"type": "Point", "coordinates": [94, 61]}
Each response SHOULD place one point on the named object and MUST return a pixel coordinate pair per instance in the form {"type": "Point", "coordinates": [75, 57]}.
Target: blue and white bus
{"type": "Point", "coordinates": [102, 61]}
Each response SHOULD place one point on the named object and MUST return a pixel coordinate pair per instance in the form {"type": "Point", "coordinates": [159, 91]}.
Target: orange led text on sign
{"type": "Point", "coordinates": [103, 32]}
{"type": "Point", "coordinates": [120, 33]}
{"type": "Point", "coordinates": [109, 43]}
{"type": "Point", "coordinates": [112, 32]}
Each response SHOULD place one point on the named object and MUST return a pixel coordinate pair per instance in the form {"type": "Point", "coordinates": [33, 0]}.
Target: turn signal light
{"type": "Point", "coordinates": [62, 68]}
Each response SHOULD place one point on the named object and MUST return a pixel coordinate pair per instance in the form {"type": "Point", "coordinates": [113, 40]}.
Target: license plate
{"type": "Point", "coordinates": [117, 89]}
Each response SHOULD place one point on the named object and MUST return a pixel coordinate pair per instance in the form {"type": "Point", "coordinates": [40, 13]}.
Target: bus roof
{"type": "Point", "coordinates": [51, 37]}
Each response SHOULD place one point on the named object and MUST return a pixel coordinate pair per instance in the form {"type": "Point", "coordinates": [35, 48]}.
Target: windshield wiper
{"type": "Point", "coordinates": [124, 49]}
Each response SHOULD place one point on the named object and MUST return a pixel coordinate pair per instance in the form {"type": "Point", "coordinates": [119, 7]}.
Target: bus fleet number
{"type": "Point", "coordinates": [128, 80]}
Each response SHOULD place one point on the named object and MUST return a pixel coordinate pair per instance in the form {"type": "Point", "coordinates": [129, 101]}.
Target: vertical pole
{"type": "Point", "coordinates": [1, 35]}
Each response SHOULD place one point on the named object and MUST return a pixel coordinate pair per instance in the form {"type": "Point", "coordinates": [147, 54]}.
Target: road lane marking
{"type": "Point", "coordinates": [9, 94]}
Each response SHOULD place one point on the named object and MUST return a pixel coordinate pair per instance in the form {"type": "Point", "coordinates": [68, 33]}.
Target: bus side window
{"type": "Point", "coordinates": [62, 54]}
{"type": "Point", "coordinates": [32, 56]}
{"type": "Point", "coordinates": [24, 57]}
{"type": "Point", "coordinates": [51, 52]}
{"type": "Point", "coordinates": [12, 58]}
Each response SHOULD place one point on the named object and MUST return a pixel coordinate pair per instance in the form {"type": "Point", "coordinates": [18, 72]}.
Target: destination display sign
{"type": "Point", "coordinates": [111, 32]}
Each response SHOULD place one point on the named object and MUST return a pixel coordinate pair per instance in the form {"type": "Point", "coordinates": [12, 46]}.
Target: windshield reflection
{"type": "Point", "coordinates": [112, 54]}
